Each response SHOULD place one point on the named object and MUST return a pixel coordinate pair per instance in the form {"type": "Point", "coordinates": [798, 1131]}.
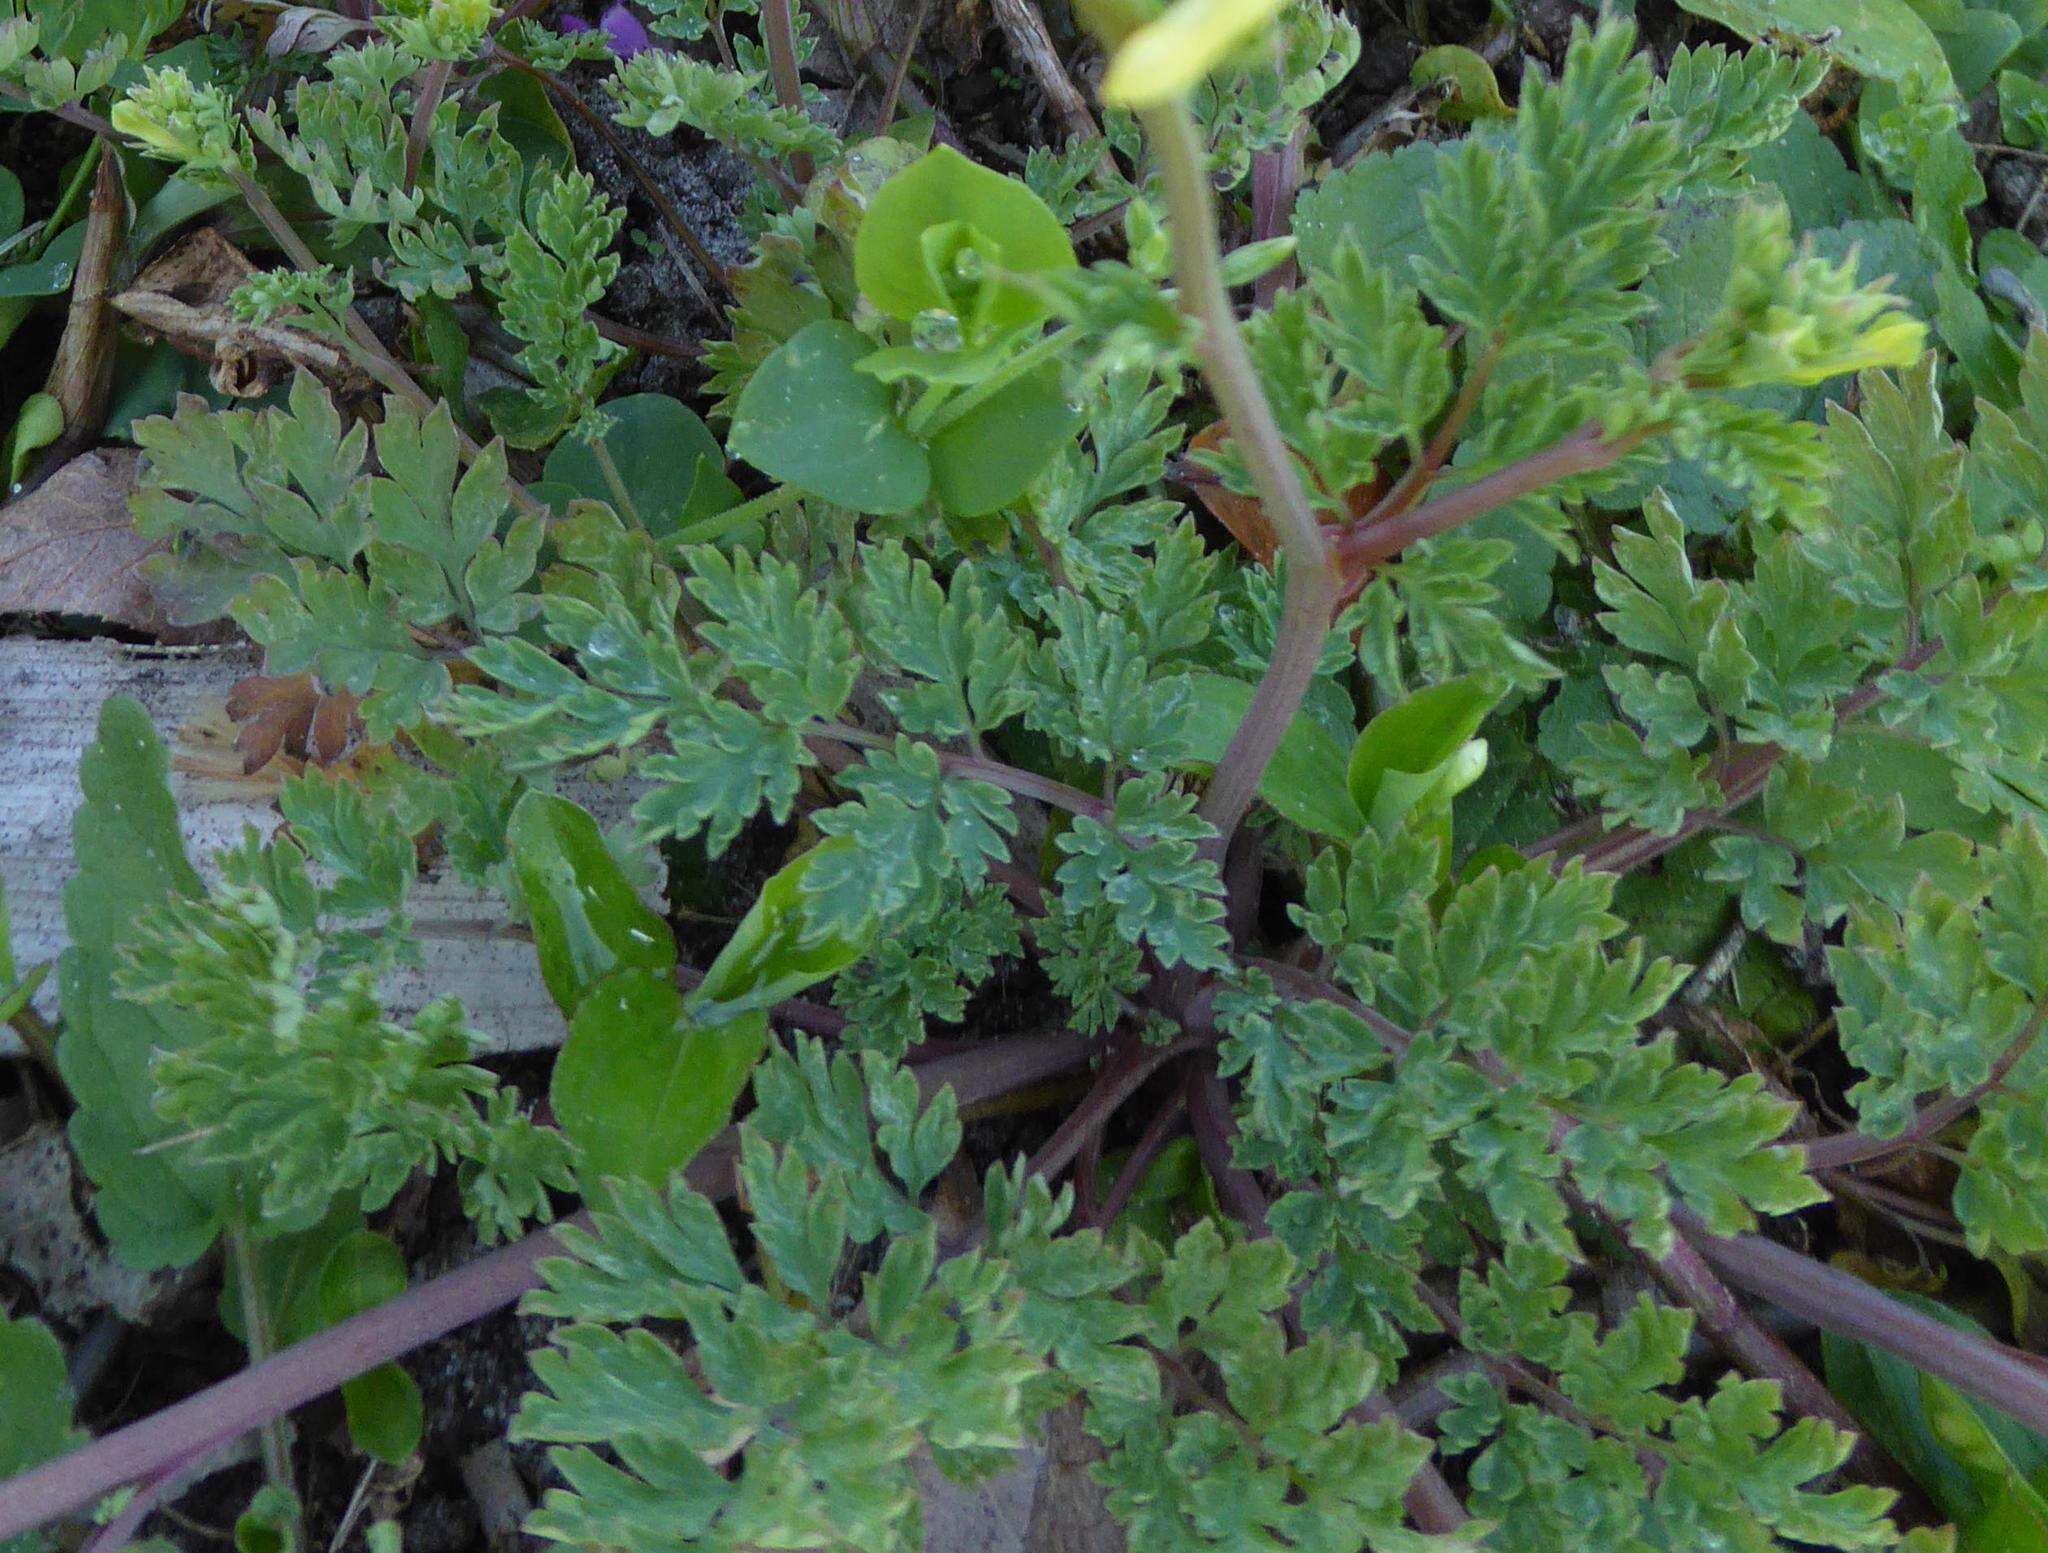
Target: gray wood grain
{"type": "Point", "coordinates": [50, 694]}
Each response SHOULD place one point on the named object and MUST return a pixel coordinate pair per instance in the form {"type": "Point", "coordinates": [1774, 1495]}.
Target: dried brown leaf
{"type": "Point", "coordinates": [183, 300]}
{"type": "Point", "coordinates": [67, 548]}
{"type": "Point", "coordinates": [290, 716]}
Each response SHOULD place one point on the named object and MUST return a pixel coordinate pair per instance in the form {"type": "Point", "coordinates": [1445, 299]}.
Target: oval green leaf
{"type": "Point", "coordinates": [363, 1270]}
{"type": "Point", "coordinates": [170, 207]}
{"type": "Point", "coordinates": [809, 419]}
{"type": "Point", "coordinates": [49, 274]}
{"type": "Point", "coordinates": [35, 1397]}
{"type": "Point", "coordinates": [527, 120]}
{"type": "Point", "coordinates": [1475, 92]}
{"type": "Point", "coordinates": [987, 457]}
{"type": "Point", "coordinates": [639, 1087]}
{"type": "Point", "coordinates": [13, 203]}
{"type": "Point", "coordinates": [386, 1416]}
{"type": "Point", "coordinates": [587, 920]}
{"type": "Point", "coordinates": [40, 423]}
{"type": "Point", "coordinates": [657, 444]}
{"type": "Point", "coordinates": [889, 253]}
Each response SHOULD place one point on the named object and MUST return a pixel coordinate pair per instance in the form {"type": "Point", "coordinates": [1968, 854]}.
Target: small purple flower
{"type": "Point", "coordinates": [623, 32]}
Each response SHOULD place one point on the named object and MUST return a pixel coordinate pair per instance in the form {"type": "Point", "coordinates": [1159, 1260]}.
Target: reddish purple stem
{"type": "Point", "coordinates": [1276, 178]}
{"type": "Point", "coordinates": [2000, 1376]}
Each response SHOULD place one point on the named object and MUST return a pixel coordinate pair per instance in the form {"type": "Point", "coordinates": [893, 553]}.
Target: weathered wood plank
{"type": "Point", "coordinates": [50, 693]}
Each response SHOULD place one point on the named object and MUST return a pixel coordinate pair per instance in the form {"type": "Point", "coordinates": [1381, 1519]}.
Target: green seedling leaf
{"type": "Point", "coordinates": [658, 445]}
{"type": "Point", "coordinates": [776, 952]}
{"type": "Point", "coordinates": [1248, 261]}
{"type": "Point", "coordinates": [2023, 110]}
{"type": "Point", "coordinates": [587, 920]}
{"type": "Point", "coordinates": [712, 493]}
{"type": "Point", "coordinates": [179, 200]}
{"type": "Point", "coordinates": [1976, 43]}
{"type": "Point", "coordinates": [1885, 39]}
{"type": "Point", "coordinates": [446, 344]}
{"type": "Point", "coordinates": [35, 1400]}
{"type": "Point", "coordinates": [267, 1525]}
{"type": "Point", "coordinates": [39, 423]}
{"type": "Point", "coordinates": [318, 1278]}
{"type": "Point", "coordinates": [49, 273]}
{"type": "Point", "coordinates": [1173, 1189]}
{"type": "Point", "coordinates": [386, 1415]}
{"type": "Point", "coordinates": [158, 1205]}
{"type": "Point", "coordinates": [147, 381]}
{"type": "Point", "coordinates": [363, 1270]}
{"type": "Point", "coordinates": [522, 418]}
{"type": "Point", "coordinates": [810, 419]}
{"type": "Point", "coordinates": [1475, 94]}
{"type": "Point", "coordinates": [986, 458]}
{"type": "Point", "coordinates": [639, 1086]}
{"type": "Point", "coordinates": [907, 257]}
{"type": "Point", "coordinates": [1978, 1467]}
{"type": "Point", "coordinates": [12, 204]}
{"type": "Point", "coordinates": [1420, 754]}
{"type": "Point", "coordinates": [1305, 781]}
{"type": "Point", "coordinates": [1807, 171]}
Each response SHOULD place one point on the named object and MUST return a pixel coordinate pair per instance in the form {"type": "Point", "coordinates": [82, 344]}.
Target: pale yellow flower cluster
{"type": "Point", "coordinates": [175, 119]}
{"type": "Point", "coordinates": [1164, 58]}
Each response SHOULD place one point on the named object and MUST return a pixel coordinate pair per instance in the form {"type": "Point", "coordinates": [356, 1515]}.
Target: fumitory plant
{"type": "Point", "coordinates": [1607, 667]}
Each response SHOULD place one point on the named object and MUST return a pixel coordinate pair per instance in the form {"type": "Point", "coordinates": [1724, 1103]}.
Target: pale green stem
{"type": "Point", "coordinates": [615, 482]}
{"type": "Point", "coordinates": [1310, 593]}
{"type": "Point", "coordinates": [930, 400]}
{"type": "Point", "coordinates": [940, 416]}
{"type": "Point", "coordinates": [704, 530]}
{"type": "Point", "coordinates": [272, 1438]}
{"type": "Point", "coordinates": [68, 200]}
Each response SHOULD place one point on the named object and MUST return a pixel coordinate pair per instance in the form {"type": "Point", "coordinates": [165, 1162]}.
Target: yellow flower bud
{"type": "Point", "coordinates": [1896, 340]}
{"type": "Point", "coordinates": [173, 118]}
{"type": "Point", "coordinates": [1164, 58]}
{"type": "Point", "coordinates": [439, 29]}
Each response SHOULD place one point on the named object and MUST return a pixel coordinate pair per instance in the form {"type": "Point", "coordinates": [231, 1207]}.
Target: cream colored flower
{"type": "Point", "coordinates": [175, 119]}
{"type": "Point", "coordinates": [1895, 340]}
{"type": "Point", "coordinates": [439, 29]}
{"type": "Point", "coordinates": [1164, 58]}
